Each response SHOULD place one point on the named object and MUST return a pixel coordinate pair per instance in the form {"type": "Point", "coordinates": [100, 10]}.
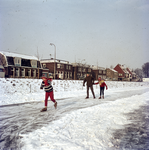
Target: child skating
{"type": "Point", "coordinates": [102, 85]}
{"type": "Point", "coordinates": [46, 84]}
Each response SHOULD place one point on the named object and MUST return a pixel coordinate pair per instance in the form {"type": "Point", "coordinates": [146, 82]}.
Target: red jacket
{"type": "Point", "coordinates": [102, 84]}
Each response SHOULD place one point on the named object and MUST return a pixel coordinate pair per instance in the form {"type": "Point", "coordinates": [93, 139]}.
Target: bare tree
{"type": "Point", "coordinates": [38, 62]}
{"type": "Point", "coordinates": [139, 72]}
{"type": "Point", "coordinates": [38, 56]}
{"type": "Point", "coordinates": [2, 60]}
{"type": "Point", "coordinates": [145, 69]}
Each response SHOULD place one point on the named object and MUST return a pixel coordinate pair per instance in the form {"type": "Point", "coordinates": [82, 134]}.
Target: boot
{"type": "Point", "coordinates": [44, 109]}
{"type": "Point", "coordinates": [87, 97]}
{"type": "Point", "coordinates": [55, 105]}
{"type": "Point", "coordinates": [100, 97]}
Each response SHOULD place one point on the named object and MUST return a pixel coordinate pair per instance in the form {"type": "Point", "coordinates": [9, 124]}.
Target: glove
{"type": "Point", "coordinates": [83, 85]}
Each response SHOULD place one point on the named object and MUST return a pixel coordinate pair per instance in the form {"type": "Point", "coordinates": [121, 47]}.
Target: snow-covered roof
{"type": "Point", "coordinates": [52, 60]}
{"type": "Point", "coordinates": [98, 68]}
{"type": "Point", "coordinates": [80, 65]}
{"type": "Point", "coordinates": [112, 70]}
{"type": "Point", "coordinates": [12, 54]}
{"type": "Point", "coordinates": [124, 68]}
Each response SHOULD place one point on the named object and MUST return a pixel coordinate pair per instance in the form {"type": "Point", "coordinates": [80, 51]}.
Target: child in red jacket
{"type": "Point", "coordinates": [102, 86]}
{"type": "Point", "coordinates": [46, 84]}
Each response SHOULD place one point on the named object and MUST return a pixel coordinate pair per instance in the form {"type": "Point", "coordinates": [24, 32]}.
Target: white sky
{"type": "Point", "coordinates": [104, 31]}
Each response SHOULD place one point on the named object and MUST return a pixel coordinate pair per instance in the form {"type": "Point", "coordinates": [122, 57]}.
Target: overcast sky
{"type": "Point", "coordinates": [106, 32]}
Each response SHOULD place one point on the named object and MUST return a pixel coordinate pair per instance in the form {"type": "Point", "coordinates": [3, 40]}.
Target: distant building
{"type": "Point", "coordinates": [80, 71]}
{"type": "Point", "coordinates": [20, 65]}
{"type": "Point", "coordinates": [145, 79]}
{"type": "Point", "coordinates": [63, 69]}
{"type": "Point", "coordinates": [130, 74]}
{"type": "Point", "coordinates": [112, 74]}
{"type": "Point", "coordinates": [98, 72]}
{"type": "Point", "coordinates": [123, 74]}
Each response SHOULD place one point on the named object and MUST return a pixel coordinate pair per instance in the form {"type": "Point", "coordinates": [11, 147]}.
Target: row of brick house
{"type": "Point", "coordinates": [20, 66]}
{"type": "Point", "coordinates": [77, 71]}
{"type": "Point", "coordinates": [24, 66]}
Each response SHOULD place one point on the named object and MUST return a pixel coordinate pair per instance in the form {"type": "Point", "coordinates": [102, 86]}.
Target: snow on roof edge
{"type": "Point", "coordinates": [12, 54]}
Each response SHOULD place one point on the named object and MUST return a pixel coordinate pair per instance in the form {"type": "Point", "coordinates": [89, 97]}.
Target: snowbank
{"type": "Point", "coordinates": [28, 90]}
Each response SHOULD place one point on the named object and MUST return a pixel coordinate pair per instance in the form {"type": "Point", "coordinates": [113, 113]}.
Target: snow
{"type": "Point", "coordinates": [11, 54]}
{"type": "Point", "coordinates": [86, 128]}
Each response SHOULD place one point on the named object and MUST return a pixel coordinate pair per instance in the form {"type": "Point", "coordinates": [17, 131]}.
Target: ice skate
{"type": "Point", "coordinates": [44, 109]}
{"type": "Point", "coordinates": [55, 105]}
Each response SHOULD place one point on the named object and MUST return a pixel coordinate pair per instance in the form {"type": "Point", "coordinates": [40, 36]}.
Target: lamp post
{"type": "Point", "coordinates": [54, 59]}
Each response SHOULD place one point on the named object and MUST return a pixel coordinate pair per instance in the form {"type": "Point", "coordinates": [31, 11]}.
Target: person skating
{"type": "Point", "coordinates": [46, 84]}
{"type": "Point", "coordinates": [102, 86]}
{"type": "Point", "coordinates": [90, 81]}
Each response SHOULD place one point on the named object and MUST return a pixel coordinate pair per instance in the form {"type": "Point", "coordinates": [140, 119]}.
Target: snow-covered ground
{"type": "Point", "coordinates": [90, 128]}
{"type": "Point", "coordinates": [28, 90]}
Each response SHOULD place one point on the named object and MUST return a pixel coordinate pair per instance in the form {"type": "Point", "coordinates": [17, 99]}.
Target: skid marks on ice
{"type": "Point", "coordinates": [135, 135]}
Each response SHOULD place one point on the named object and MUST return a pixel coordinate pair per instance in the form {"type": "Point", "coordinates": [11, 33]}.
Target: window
{"type": "Point", "coordinates": [23, 72]}
{"type": "Point", "coordinates": [120, 74]}
{"type": "Point", "coordinates": [65, 75]}
{"type": "Point", "coordinates": [100, 71]}
{"type": "Point", "coordinates": [66, 66]}
{"type": "Point", "coordinates": [38, 64]}
{"type": "Point", "coordinates": [58, 65]}
{"type": "Point", "coordinates": [12, 69]}
{"type": "Point", "coordinates": [26, 62]}
{"type": "Point", "coordinates": [10, 60]}
{"type": "Point", "coordinates": [34, 73]}
{"type": "Point", "coordinates": [34, 63]}
{"type": "Point", "coordinates": [17, 61]}
{"type": "Point", "coordinates": [60, 75]}
{"type": "Point", "coordinates": [61, 66]}
{"type": "Point", "coordinates": [69, 67]}
{"type": "Point", "coordinates": [29, 72]}
{"type": "Point", "coordinates": [17, 72]}
{"type": "Point", "coordinates": [104, 72]}
{"type": "Point", "coordinates": [89, 70]}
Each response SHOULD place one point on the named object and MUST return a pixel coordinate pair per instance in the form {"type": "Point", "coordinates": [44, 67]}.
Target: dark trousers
{"type": "Point", "coordinates": [91, 87]}
{"type": "Point", "coordinates": [102, 91]}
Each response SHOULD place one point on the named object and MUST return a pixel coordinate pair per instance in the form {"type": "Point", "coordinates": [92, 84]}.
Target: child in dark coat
{"type": "Point", "coordinates": [102, 86]}
{"type": "Point", "coordinates": [46, 84]}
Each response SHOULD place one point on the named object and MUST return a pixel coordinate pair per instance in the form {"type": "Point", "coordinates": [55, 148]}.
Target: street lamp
{"type": "Point", "coordinates": [54, 59]}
